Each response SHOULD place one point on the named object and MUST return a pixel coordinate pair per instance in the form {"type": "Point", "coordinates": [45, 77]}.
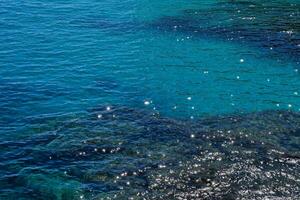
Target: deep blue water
{"type": "Point", "coordinates": [150, 99]}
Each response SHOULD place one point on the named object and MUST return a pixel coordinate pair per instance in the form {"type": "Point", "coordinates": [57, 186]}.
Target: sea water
{"type": "Point", "coordinates": [149, 99]}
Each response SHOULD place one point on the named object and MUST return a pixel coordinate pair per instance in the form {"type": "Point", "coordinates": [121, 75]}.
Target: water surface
{"type": "Point", "coordinates": [149, 99]}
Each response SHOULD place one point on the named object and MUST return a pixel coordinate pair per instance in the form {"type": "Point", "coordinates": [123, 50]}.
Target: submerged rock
{"type": "Point", "coordinates": [272, 26]}
{"type": "Point", "coordinates": [132, 153]}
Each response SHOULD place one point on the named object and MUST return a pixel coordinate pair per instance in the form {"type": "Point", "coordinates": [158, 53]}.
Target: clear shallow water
{"type": "Point", "coordinates": [200, 65]}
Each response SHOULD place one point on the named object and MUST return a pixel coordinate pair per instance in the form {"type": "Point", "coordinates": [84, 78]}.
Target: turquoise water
{"type": "Point", "coordinates": [149, 99]}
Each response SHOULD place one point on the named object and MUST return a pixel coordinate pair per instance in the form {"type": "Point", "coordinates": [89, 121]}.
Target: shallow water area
{"type": "Point", "coordinates": [149, 99]}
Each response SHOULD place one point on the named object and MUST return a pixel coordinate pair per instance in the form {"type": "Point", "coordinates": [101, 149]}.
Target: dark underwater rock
{"type": "Point", "coordinates": [120, 152]}
{"type": "Point", "coordinates": [266, 25]}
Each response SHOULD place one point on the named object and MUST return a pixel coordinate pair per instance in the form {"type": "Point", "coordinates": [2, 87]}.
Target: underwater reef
{"type": "Point", "coordinates": [119, 152]}
{"type": "Point", "coordinates": [272, 26]}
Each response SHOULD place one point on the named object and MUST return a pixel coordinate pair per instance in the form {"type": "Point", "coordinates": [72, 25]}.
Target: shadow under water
{"type": "Point", "coordinates": [119, 152]}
